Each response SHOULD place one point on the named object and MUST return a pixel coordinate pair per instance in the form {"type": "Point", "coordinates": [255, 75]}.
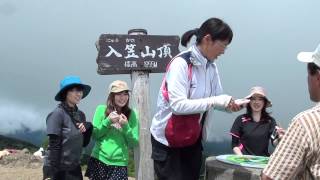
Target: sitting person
{"type": "Point", "coordinates": [252, 131]}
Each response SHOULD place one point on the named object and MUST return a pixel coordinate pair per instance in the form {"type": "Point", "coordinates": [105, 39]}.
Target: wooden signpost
{"type": "Point", "coordinates": [138, 54]}
{"type": "Point", "coordinates": [122, 54]}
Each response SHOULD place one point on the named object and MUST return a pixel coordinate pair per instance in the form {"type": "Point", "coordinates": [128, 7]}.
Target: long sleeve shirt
{"type": "Point", "coordinates": [186, 97]}
{"type": "Point", "coordinates": [112, 144]}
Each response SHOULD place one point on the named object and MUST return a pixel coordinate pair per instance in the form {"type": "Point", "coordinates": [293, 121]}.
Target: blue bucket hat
{"type": "Point", "coordinates": [71, 81]}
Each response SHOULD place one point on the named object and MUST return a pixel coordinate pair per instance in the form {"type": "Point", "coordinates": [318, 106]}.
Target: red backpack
{"type": "Point", "coordinates": [181, 130]}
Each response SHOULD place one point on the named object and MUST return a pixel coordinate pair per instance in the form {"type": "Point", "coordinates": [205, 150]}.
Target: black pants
{"type": "Point", "coordinates": [74, 174]}
{"type": "Point", "coordinates": [176, 163]}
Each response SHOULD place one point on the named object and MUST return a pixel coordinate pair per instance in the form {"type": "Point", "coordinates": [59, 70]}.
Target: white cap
{"type": "Point", "coordinates": [310, 56]}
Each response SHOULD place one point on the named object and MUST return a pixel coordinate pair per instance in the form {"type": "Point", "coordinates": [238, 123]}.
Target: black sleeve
{"type": "Point", "coordinates": [89, 128]}
{"type": "Point", "coordinates": [87, 134]}
{"type": "Point", "coordinates": [54, 122]}
{"type": "Point", "coordinates": [54, 147]}
{"type": "Point", "coordinates": [272, 126]}
{"type": "Point", "coordinates": [236, 131]}
{"type": "Point", "coordinates": [235, 142]}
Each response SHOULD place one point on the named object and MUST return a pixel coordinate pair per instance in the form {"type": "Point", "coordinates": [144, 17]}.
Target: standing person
{"type": "Point", "coordinates": [115, 129]}
{"type": "Point", "coordinates": [68, 132]}
{"type": "Point", "coordinates": [191, 87]}
{"type": "Point", "coordinates": [252, 131]}
{"type": "Point", "coordinates": [297, 156]}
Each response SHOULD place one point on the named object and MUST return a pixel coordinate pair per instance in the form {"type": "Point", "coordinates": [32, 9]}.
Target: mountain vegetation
{"type": "Point", "coordinates": [13, 143]}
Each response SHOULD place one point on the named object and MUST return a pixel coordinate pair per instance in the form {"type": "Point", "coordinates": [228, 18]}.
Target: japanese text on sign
{"type": "Point", "coordinates": [124, 53]}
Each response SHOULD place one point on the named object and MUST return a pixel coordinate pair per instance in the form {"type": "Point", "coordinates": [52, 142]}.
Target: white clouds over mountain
{"type": "Point", "coordinates": [16, 116]}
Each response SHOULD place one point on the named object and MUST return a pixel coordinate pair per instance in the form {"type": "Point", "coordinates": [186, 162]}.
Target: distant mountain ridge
{"type": "Point", "coordinates": [13, 143]}
{"type": "Point", "coordinates": [34, 137]}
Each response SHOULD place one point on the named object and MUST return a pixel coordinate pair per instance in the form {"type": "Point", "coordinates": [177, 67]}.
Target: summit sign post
{"type": "Point", "coordinates": [122, 54]}
{"type": "Point", "coordinates": [138, 54]}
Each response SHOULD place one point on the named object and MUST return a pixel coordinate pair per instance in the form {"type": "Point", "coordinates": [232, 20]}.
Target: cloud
{"type": "Point", "coordinates": [15, 117]}
{"type": "Point", "coordinates": [7, 8]}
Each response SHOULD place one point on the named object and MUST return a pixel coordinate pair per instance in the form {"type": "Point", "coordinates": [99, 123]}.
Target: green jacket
{"type": "Point", "coordinates": [112, 145]}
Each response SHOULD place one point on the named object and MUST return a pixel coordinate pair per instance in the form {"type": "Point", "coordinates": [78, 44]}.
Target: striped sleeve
{"type": "Point", "coordinates": [235, 134]}
{"type": "Point", "coordinates": [235, 130]}
{"type": "Point", "coordinates": [287, 159]}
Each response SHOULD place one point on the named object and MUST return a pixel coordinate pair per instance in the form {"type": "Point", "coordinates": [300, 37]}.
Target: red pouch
{"type": "Point", "coordinates": [183, 130]}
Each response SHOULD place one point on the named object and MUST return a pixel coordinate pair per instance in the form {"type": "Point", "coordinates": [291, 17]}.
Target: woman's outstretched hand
{"type": "Point", "coordinates": [233, 107]}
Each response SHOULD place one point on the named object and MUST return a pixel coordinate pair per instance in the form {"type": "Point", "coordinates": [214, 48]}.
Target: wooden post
{"type": "Point", "coordinates": [141, 101]}
{"type": "Point", "coordinates": [137, 54]}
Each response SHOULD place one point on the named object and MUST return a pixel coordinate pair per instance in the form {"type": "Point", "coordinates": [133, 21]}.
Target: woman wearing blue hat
{"type": "Point", "coordinates": [68, 132]}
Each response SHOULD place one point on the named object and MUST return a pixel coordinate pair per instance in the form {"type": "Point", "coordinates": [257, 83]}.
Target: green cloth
{"type": "Point", "coordinates": [112, 144]}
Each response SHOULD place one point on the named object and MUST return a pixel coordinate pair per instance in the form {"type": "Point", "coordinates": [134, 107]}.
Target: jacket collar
{"type": "Point", "coordinates": [197, 59]}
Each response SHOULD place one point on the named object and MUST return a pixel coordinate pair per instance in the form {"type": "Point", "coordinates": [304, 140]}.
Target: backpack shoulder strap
{"type": "Point", "coordinates": [187, 57]}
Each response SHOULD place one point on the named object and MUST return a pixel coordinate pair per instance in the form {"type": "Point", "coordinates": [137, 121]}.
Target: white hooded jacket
{"type": "Point", "coordinates": [187, 97]}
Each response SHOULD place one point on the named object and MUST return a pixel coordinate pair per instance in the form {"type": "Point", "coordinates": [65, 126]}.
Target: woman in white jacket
{"type": "Point", "coordinates": [191, 87]}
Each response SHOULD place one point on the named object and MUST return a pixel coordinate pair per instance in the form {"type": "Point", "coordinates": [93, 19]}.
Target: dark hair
{"type": "Point", "coordinates": [217, 28]}
{"type": "Point", "coordinates": [111, 106]}
{"type": "Point", "coordinates": [265, 116]}
{"type": "Point", "coordinates": [65, 91]}
{"type": "Point", "coordinates": [313, 68]}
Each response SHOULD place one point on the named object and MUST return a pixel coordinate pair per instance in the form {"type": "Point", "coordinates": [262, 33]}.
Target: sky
{"type": "Point", "coordinates": [41, 41]}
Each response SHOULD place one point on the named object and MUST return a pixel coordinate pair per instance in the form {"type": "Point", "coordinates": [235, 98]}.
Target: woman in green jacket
{"type": "Point", "coordinates": [115, 129]}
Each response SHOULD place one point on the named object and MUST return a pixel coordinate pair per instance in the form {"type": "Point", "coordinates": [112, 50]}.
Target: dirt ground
{"type": "Point", "coordinates": [22, 165]}
{"type": "Point", "coordinates": [21, 173]}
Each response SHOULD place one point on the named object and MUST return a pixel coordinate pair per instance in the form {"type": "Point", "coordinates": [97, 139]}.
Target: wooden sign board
{"type": "Point", "coordinates": [122, 54]}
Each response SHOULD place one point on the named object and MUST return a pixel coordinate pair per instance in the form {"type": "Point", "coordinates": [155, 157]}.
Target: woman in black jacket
{"type": "Point", "coordinates": [251, 132]}
{"type": "Point", "coordinates": [68, 132]}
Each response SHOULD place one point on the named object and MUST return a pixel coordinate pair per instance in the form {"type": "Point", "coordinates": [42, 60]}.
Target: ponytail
{"type": "Point", "coordinates": [187, 36]}
{"type": "Point", "coordinates": [218, 29]}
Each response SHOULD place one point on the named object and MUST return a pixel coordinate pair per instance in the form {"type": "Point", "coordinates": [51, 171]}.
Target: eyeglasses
{"type": "Point", "coordinates": [224, 46]}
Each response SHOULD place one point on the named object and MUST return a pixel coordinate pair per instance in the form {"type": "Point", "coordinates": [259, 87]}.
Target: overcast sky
{"type": "Point", "coordinates": [41, 41]}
